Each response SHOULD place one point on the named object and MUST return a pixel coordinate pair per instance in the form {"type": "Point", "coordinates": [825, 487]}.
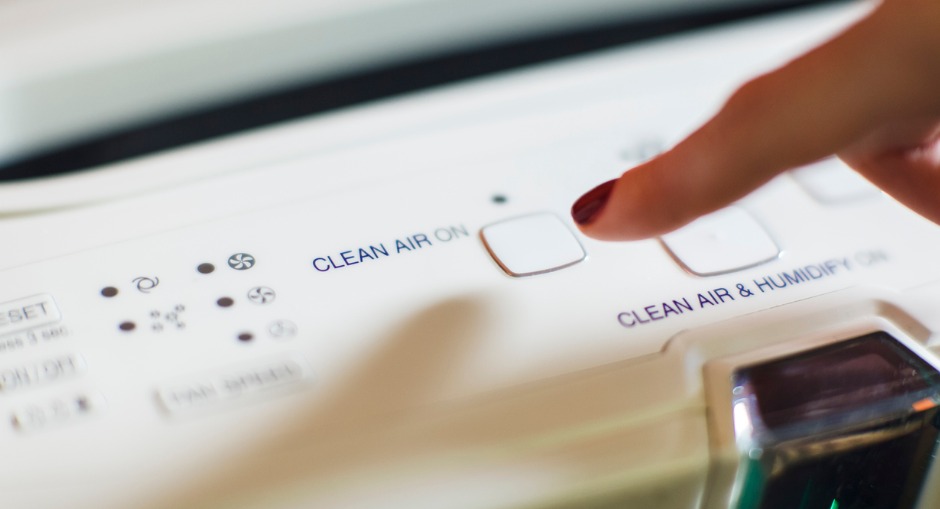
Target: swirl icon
{"type": "Point", "coordinates": [241, 261]}
{"type": "Point", "coordinates": [145, 284]}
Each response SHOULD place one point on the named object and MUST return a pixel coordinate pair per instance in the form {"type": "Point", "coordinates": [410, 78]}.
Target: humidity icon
{"type": "Point", "coordinates": [241, 261]}
{"type": "Point", "coordinates": [282, 329]}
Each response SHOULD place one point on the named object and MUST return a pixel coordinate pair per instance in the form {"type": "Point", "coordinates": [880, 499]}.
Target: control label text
{"type": "Point", "coordinates": [763, 284]}
{"type": "Point", "coordinates": [401, 245]}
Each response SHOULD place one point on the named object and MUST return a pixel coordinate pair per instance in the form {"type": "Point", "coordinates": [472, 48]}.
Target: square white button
{"type": "Point", "coordinates": [533, 244]}
{"type": "Point", "coordinates": [831, 182]}
{"type": "Point", "coordinates": [723, 241]}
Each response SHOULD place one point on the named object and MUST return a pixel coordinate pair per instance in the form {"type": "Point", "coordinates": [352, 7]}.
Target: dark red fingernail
{"type": "Point", "coordinates": [588, 206]}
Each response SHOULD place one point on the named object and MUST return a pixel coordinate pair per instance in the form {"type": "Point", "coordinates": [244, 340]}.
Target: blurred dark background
{"type": "Point", "coordinates": [375, 82]}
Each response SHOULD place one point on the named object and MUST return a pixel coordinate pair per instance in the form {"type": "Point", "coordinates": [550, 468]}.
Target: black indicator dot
{"type": "Point", "coordinates": [225, 302]}
{"type": "Point", "coordinates": [500, 199]}
{"type": "Point", "coordinates": [246, 336]}
{"type": "Point", "coordinates": [109, 291]}
{"type": "Point", "coordinates": [127, 326]}
{"type": "Point", "coordinates": [205, 268]}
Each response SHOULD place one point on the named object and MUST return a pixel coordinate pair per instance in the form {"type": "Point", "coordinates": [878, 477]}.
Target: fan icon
{"type": "Point", "coordinates": [241, 261]}
{"type": "Point", "coordinates": [261, 295]}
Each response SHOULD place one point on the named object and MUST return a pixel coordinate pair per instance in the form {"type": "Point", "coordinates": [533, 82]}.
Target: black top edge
{"type": "Point", "coordinates": [318, 97]}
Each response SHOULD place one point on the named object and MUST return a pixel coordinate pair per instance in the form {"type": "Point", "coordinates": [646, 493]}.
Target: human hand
{"type": "Point", "coordinates": [871, 95]}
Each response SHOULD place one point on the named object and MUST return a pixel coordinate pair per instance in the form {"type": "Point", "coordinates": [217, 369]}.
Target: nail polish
{"type": "Point", "coordinates": [588, 206]}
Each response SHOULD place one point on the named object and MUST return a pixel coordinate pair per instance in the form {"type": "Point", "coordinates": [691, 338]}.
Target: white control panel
{"type": "Point", "coordinates": [532, 244]}
{"type": "Point", "coordinates": [391, 307]}
{"type": "Point", "coordinates": [728, 240]}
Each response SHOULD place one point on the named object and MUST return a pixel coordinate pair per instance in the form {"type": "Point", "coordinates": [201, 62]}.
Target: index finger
{"type": "Point", "coordinates": [869, 75]}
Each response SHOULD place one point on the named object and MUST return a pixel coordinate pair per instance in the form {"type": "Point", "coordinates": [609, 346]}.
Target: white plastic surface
{"type": "Point", "coordinates": [77, 69]}
{"type": "Point", "coordinates": [832, 182]}
{"type": "Point", "coordinates": [724, 241]}
{"type": "Point", "coordinates": [430, 378]}
{"type": "Point", "coordinates": [530, 105]}
{"type": "Point", "coordinates": [533, 244]}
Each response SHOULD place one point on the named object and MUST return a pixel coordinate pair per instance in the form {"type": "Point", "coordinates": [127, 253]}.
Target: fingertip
{"type": "Point", "coordinates": [631, 207]}
{"type": "Point", "coordinates": [588, 207]}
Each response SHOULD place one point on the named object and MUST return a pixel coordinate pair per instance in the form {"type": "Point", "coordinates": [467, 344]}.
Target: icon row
{"type": "Point", "coordinates": [278, 329]}
{"type": "Point", "coordinates": [238, 261]}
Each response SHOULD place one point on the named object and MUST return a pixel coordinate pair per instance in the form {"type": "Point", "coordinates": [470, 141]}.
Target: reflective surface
{"type": "Point", "coordinates": [853, 425]}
